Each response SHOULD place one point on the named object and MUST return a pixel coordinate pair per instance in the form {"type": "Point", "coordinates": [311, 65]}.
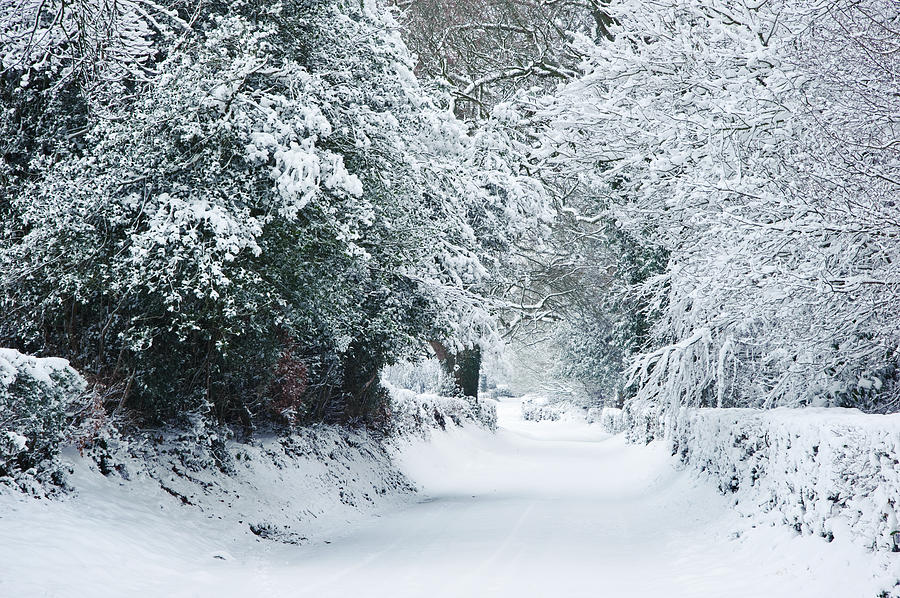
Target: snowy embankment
{"type": "Point", "coordinates": [828, 472]}
{"type": "Point", "coordinates": [158, 503]}
{"type": "Point", "coordinates": [832, 473]}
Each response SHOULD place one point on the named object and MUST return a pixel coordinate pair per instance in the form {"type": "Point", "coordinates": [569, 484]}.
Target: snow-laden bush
{"type": "Point", "coordinates": [829, 472]}
{"type": "Point", "coordinates": [415, 414]}
{"type": "Point", "coordinates": [643, 421]}
{"type": "Point", "coordinates": [610, 419]}
{"type": "Point", "coordinates": [34, 395]}
{"type": "Point", "coordinates": [543, 409]}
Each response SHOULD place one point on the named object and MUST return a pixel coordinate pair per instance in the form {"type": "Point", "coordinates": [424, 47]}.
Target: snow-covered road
{"type": "Point", "coordinates": [560, 509]}
{"type": "Point", "coordinates": [550, 509]}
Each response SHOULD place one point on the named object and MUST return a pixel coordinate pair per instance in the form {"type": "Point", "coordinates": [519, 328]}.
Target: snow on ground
{"type": "Point", "coordinates": [539, 509]}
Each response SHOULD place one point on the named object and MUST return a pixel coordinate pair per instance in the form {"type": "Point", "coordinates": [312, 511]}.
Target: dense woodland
{"type": "Point", "coordinates": [247, 210]}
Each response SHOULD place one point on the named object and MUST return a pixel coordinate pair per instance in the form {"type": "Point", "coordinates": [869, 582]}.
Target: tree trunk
{"type": "Point", "coordinates": [464, 368]}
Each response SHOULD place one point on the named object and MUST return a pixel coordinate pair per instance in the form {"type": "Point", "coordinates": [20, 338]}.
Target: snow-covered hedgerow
{"type": "Point", "coordinates": [541, 409]}
{"type": "Point", "coordinates": [643, 421]}
{"type": "Point", "coordinates": [34, 395]}
{"type": "Point", "coordinates": [415, 414]}
{"type": "Point", "coordinates": [609, 418]}
{"type": "Point", "coordinates": [829, 472]}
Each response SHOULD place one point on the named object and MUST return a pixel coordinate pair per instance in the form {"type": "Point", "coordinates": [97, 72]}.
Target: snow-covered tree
{"type": "Point", "coordinates": [106, 45]}
{"type": "Point", "coordinates": [281, 199]}
{"type": "Point", "coordinates": [756, 145]}
{"type": "Point", "coordinates": [486, 51]}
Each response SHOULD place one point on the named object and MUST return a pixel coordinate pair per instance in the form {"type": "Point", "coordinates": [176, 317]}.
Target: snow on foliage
{"type": "Point", "coordinates": [832, 473]}
{"type": "Point", "coordinates": [756, 144]}
{"type": "Point", "coordinates": [106, 44]}
{"type": "Point", "coordinates": [418, 413]}
{"type": "Point", "coordinates": [610, 419]}
{"type": "Point", "coordinates": [34, 396]}
{"type": "Point", "coordinates": [281, 184]}
{"type": "Point", "coordinates": [425, 376]}
{"type": "Point", "coordinates": [543, 409]}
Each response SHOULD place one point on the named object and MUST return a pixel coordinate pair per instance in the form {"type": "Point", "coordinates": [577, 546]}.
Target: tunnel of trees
{"type": "Point", "coordinates": [249, 210]}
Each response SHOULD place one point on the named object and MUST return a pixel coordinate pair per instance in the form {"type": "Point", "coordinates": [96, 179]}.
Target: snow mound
{"type": "Point", "coordinates": [828, 472]}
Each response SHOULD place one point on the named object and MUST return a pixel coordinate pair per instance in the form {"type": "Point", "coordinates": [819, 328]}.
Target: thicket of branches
{"type": "Point", "coordinates": [757, 148]}
{"type": "Point", "coordinates": [487, 51]}
{"type": "Point", "coordinates": [726, 177]}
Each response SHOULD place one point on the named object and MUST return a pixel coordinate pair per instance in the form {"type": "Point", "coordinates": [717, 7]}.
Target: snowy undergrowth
{"type": "Point", "coordinates": [827, 472]}
{"type": "Point", "coordinates": [610, 419]}
{"type": "Point", "coordinates": [415, 414]}
{"type": "Point", "coordinates": [35, 394]}
{"type": "Point", "coordinates": [537, 408]}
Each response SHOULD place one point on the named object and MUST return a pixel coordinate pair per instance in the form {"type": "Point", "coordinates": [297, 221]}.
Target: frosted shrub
{"type": "Point", "coordinates": [34, 396]}
{"type": "Point", "coordinates": [417, 414]}
{"type": "Point", "coordinates": [552, 409]}
{"type": "Point", "coordinates": [610, 419]}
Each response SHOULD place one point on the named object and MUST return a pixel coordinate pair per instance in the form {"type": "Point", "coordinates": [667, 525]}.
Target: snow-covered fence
{"type": "Point", "coordinates": [413, 413]}
{"type": "Point", "coordinates": [829, 472]}
{"type": "Point", "coordinates": [34, 395]}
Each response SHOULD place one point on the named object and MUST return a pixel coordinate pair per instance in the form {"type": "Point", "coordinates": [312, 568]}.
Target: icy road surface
{"type": "Point", "coordinates": [550, 509]}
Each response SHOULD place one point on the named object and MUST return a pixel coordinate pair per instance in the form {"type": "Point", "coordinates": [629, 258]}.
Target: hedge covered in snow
{"type": "Point", "coordinates": [643, 421]}
{"type": "Point", "coordinates": [542, 409]}
{"type": "Point", "coordinates": [610, 419]}
{"type": "Point", "coordinates": [413, 413]}
{"type": "Point", "coordinates": [829, 472]}
{"type": "Point", "coordinates": [34, 395]}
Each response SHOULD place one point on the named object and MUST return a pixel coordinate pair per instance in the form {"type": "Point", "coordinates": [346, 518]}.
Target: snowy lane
{"type": "Point", "coordinates": [556, 509]}
{"type": "Point", "coordinates": [536, 510]}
